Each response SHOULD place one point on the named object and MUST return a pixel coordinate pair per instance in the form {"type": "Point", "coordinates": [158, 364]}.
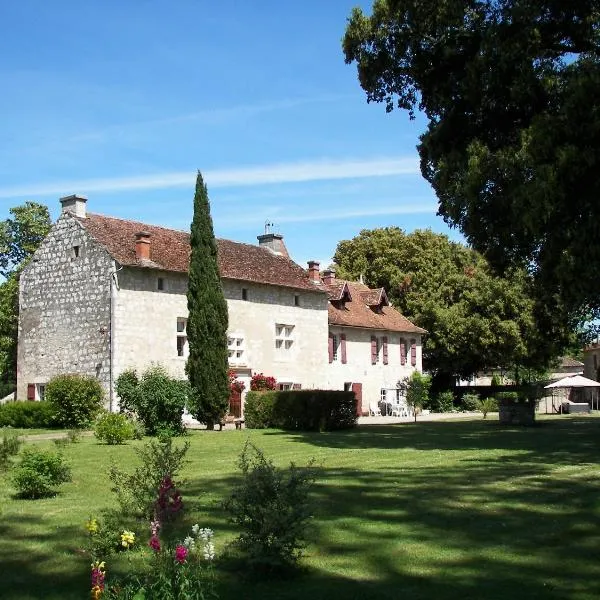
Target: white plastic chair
{"type": "Point", "coordinates": [374, 410]}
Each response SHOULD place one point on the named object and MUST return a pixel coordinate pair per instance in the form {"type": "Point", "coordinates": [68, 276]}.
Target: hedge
{"type": "Point", "coordinates": [301, 410]}
{"type": "Point", "coordinates": [27, 415]}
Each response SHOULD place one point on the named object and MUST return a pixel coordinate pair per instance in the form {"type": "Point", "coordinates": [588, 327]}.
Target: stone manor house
{"type": "Point", "coordinates": [102, 295]}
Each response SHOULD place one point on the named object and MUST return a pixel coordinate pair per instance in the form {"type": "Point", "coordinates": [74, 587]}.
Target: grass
{"type": "Point", "coordinates": [460, 509]}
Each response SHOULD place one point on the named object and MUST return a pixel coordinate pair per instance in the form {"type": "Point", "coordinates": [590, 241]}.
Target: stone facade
{"type": "Point", "coordinates": [64, 309]}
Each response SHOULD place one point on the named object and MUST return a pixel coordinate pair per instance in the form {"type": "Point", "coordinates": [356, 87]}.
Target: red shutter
{"type": "Point", "coordinates": [413, 352]}
{"type": "Point", "coordinates": [402, 351]}
{"type": "Point", "coordinates": [31, 391]}
{"type": "Point", "coordinates": [373, 350]}
{"type": "Point", "coordinates": [343, 338]}
{"type": "Point", "coordinates": [385, 353]}
{"type": "Point", "coordinates": [330, 347]}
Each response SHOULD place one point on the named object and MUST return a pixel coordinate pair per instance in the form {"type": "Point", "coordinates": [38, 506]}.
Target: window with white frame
{"type": "Point", "coordinates": [336, 346]}
{"type": "Point", "coordinates": [236, 349]}
{"type": "Point", "coordinates": [182, 341]}
{"type": "Point", "coordinates": [284, 337]}
{"type": "Point", "coordinates": [41, 391]}
{"type": "Point", "coordinates": [383, 395]}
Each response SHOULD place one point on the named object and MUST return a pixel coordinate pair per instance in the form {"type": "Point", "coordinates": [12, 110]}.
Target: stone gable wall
{"type": "Point", "coordinates": [64, 317]}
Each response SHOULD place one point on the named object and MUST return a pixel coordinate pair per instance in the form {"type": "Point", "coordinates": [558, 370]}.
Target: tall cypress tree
{"type": "Point", "coordinates": [207, 363]}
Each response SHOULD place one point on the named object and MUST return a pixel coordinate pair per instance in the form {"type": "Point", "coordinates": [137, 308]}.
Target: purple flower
{"type": "Point", "coordinates": [154, 543]}
{"type": "Point", "coordinates": [181, 553]}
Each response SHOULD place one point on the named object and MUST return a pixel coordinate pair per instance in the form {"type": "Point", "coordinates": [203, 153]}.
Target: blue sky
{"type": "Point", "coordinates": [124, 101]}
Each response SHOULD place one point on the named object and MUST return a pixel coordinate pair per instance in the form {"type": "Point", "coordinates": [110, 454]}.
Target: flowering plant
{"type": "Point", "coordinates": [260, 382]}
{"type": "Point", "coordinates": [235, 385]}
{"type": "Point", "coordinates": [107, 537]}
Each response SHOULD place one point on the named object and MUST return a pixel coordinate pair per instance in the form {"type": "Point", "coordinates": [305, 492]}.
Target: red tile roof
{"type": "Point", "coordinates": [170, 251]}
{"type": "Point", "coordinates": [357, 312]}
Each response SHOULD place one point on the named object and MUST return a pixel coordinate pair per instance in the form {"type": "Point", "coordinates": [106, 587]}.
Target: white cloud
{"type": "Point", "coordinates": [315, 170]}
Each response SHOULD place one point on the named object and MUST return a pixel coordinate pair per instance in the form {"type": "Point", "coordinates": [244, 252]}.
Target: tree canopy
{"type": "Point", "coordinates": [475, 319]}
{"type": "Point", "coordinates": [207, 365]}
{"type": "Point", "coordinates": [20, 235]}
{"type": "Point", "coordinates": [512, 146]}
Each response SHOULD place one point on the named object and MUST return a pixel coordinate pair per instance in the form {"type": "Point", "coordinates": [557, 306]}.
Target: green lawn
{"type": "Point", "coordinates": [459, 510]}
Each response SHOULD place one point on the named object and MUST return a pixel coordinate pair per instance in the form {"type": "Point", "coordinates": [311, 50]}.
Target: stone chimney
{"type": "Point", "coordinates": [142, 245]}
{"type": "Point", "coordinates": [328, 276]}
{"type": "Point", "coordinates": [74, 204]}
{"type": "Point", "coordinates": [313, 271]}
{"type": "Point", "coordinates": [274, 242]}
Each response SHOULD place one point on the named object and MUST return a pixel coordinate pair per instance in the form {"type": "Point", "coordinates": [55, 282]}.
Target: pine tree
{"type": "Point", "coordinates": [207, 365]}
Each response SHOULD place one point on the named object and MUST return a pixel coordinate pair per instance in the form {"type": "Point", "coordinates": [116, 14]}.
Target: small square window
{"type": "Point", "coordinates": [160, 284]}
{"type": "Point", "coordinates": [244, 293]}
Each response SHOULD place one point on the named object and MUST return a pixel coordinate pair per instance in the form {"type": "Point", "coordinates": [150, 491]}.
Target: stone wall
{"type": "Point", "coordinates": [64, 317]}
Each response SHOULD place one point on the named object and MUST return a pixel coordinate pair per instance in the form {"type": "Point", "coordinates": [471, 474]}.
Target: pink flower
{"type": "Point", "coordinates": [181, 553]}
{"type": "Point", "coordinates": [154, 543]}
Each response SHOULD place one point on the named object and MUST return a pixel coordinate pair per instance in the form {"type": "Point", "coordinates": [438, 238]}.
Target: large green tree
{"type": "Point", "coordinates": [207, 363]}
{"type": "Point", "coordinates": [20, 235]}
{"type": "Point", "coordinates": [475, 319]}
{"type": "Point", "coordinates": [512, 146]}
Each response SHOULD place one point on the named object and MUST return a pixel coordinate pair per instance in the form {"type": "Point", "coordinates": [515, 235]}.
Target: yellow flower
{"type": "Point", "coordinates": [127, 538]}
{"type": "Point", "coordinates": [92, 526]}
{"type": "Point", "coordinates": [96, 592]}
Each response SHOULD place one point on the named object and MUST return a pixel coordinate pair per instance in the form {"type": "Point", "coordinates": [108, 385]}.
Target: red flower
{"type": "Point", "coordinates": [181, 553]}
{"type": "Point", "coordinates": [154, 543]}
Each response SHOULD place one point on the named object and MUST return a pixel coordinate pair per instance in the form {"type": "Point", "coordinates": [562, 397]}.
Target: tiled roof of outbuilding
{"type": "Point", "coordinates": [170, 251]}
{"type": "Point", "coordinates": [357, 313]}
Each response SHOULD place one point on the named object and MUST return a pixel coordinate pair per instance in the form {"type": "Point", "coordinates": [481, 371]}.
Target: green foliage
{"type": "Point", "coordinates": [496, 380]}
{"type": "Point", "coordinates": [470, 402]}
{"type": "Point", "coordinates": [137, 492]}
{"type": "Point", "coordinates": [75, 399]}
{"type": "Point", "coordinates": [271, 506]}
{"type": "Point", "coordinates": [303, 410]}
{"type": "Point", "coordinates": [114, 428]}
{"type": "Point", "coordinates": [27, 415]}
{"type": "Point", "coordinates": [417, 391]}
{"type": "Point", "coordinates": [444, 402]}
{"type": "Point", "coordinates": [39, 473]}
{"type": "Point", "coordinates": [507, 397]}
{"type": "Point", "coordinates": [509, 91]}
{"type": "Point", "coordinates": [207, 365]}
{"type": "Point", "coordinates": [488, 405]}
{"type": "Point", "coordinates": [20, 236]}
{"type": "Point", "coordinates": [157, 399]}
{"type": "Point", "coordinates": [9, 447]}
{"type": "Point", "coordinates": [474, 318]}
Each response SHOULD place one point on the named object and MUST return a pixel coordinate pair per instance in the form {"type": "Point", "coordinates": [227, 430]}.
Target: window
{"type": "Point", "coordinates": [284, 337]}
{"type": "Point", "coordinates": [236, 349]}
{"type": "Point", "coordinates": [244, 293]}
{"type": "Point", "coordinates": [379, 346]}
{"type": "Point", "coordinates": [75, 252]}
{"type": "Point", "coordinates": [336, 345]}
{"type": "Point", "coordinates": [296, 300]}
{"type": "Point", "coordinates": [160, 284]}
{"type": "Point", "coordinates": [284, 386]}
{"type": "Point", "coordinates": [41, 391]}
{"type": "Point", "coordinates": [383, 395]}
{"type": "Point", "coordinates": [182, 345]}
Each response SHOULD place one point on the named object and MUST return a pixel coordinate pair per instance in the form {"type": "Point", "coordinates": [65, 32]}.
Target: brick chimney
{"type": "Point", "coordinates": [313, 271]}
{"type": "Point", "coordinates": [328, 276]}
{"type": "Point", "coordinates": [74, 204]}
{"type": "Point", "coordinates": [142, 245]}
{"type": "Point", "coordinates": [274, 242]}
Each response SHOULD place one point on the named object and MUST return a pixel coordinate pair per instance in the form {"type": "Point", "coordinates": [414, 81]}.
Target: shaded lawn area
{"type": "Point", "coordinates": [459, 509]}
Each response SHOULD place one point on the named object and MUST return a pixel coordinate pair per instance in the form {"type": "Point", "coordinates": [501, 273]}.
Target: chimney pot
{"type": "Point", "coordinates": [328, 276]}
{"type": "Point", "coordinates": [142, 245]}
{"type": "Point", "coordinates": [74, 204]}
{"type": "Point", "coordinates": [313, 271]}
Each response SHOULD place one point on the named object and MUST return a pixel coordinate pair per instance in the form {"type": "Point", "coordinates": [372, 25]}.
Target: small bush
{"type": "Point", "coordinates": [40, 472]}
{"type": "Point", "coordinates": [488, 405]}
{"type": "Point", "coordinates": [262, 383]}
{"type": "Point", "coordinates": [470, 402]}
{"type": "Point", "coordinates": [272, 508]}
{"type": "Point", "coordinates": [444, 402]}
{"type": "Point", "coordinates": [76, 399]}
{"type": "Point", "coordinates": [258, 409]}
{"type": "Point", "coordinates": [138, 492]}
{"type": "Point", "coordinates": [417, 391]}
{"type": "Point", "coordinates": [28, 415]}
{"type": "Point", "coordinates": [158, 400]}
{"type": "Point", "coordinates": [114, 428]}
{"type": "Point", "coordinates": [507, 396]}
{"type": "Point", "coordinates": [9, 446]}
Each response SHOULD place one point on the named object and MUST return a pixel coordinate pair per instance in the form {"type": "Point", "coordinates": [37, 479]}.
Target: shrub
{"type": "Point", "coordinates": [507, 396]}
{"type": "Point", "coordinates": [158, 400]}
{"type": "Point", "coordinates": [138, 492]}
{"type": "Point", "coordinates": [444, 402]}
{"type": "Point", "coordinates": [27, 415]}
{"type": "Point", "coordinates": [114, 428]}
{"type": "Point", "coordinates": [470, 402]}
{"type": "Point", "coordinates": [40, 472]}
{"type": "Point", "coordinates": [258, 409]}
{"type": "Point", "coordinates": [417, 391]}
{"type": "Point", "coordinates": [488, 405]}
{"type": "Point", "coordinates": [272, 508]}
{"type": "Point", "coordinates": [8, 447]}
{"type": "Point", "coordinates": [76, 399]}
{"type": "Point", "coordinates": [262, 383]}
